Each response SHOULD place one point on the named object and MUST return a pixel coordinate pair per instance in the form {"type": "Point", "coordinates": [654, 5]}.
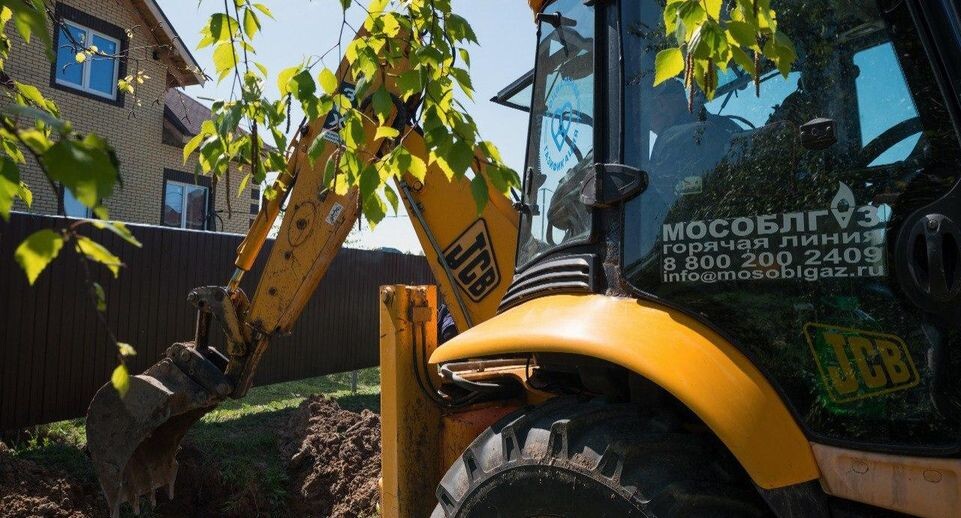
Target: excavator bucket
{"type": "Point", "coordinates": [134, 439]}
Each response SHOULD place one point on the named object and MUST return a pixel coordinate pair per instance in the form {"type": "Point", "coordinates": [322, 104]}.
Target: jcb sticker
{"type": "Point", "coordinates": [471, 258]}
{"type": "Point", "coordinates": [857, 364]}
{"type": "Point", "coordinates": [334, 215]}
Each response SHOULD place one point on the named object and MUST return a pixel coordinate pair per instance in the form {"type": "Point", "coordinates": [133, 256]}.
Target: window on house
{"type": "Point", "coordinates": [97, 74]}
{"type": "Point", "coordinates": [72, 206]}
{"type": "Point", "coordinates": [185, 205]}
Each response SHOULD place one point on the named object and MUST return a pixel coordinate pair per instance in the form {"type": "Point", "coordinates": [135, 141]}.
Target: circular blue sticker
{"type": "Point", "coordinates": [558, 134]}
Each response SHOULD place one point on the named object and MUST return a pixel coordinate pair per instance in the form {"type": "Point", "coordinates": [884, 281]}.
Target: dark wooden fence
{"type": "Point", "coordinates": [54, 353]}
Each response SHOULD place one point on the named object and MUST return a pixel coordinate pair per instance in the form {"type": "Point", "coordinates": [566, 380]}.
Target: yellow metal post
{"type": "Point", "coordinates": [410, 420]}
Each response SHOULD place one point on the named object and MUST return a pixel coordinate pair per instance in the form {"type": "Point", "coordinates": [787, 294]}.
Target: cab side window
{"type": "Point", "coordinates": [885, 106]}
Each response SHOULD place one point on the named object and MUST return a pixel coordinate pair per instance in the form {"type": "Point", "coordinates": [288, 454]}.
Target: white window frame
{"type": "Point", "coordinates": [87, 65]}
{"type": "Point", "coordinates": [183, 204]}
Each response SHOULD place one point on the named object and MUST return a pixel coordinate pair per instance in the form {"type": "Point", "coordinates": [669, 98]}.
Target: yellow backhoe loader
{"type": "Point", "coordinates": [741, 306]}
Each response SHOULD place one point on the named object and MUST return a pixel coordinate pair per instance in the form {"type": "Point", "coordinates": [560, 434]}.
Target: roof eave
{"type": "Point", "coordinates": [188, 72]}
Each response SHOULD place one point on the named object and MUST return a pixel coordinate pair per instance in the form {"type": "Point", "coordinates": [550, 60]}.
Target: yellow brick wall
{"type": "Point", "coordinates": [134, 130]}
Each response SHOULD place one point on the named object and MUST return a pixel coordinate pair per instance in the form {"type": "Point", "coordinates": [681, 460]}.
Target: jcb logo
{"type": "Point", "coordinates": [860, 364]}
{"type": "Point", "coordinates": [472, 260]}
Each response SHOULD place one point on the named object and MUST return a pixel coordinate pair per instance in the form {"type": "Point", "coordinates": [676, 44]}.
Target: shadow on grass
{"type": "Point", "coordinates": [358, 402]}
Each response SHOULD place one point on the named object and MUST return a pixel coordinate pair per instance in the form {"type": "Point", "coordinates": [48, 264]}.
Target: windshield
{"type": "Point", "coordinates": [562, 131]}
{"type": "Point", "coordinates": [787, 243]}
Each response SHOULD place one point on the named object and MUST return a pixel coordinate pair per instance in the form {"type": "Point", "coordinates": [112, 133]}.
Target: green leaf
{"type": "Point", "coordinates": [353, 133]}
{"type": "Point", "coordinates": [29, 17]}
{"type": "Point", "coordinates": [37, 251]}
{"type": "Point", "coordinates": [392, 199]}
{"type": "Point", "coordinates": [99, 297]}
{"type": "Point", "coordinates": [386, 132]}
{"type": "Point", "coordinates": [120, 379]}
{"type": "Point", "coordinates": [668, 63]}
{"type": "Point", "coordinates": [353, 48]}
{"type": "Point", "coordinates": [743, 60]}
{"type": "Point", "coordinates": [366, 65]}
{"type": "Point", "coordinates": [671, 18]}
{"type": "Point", "coordinates": [409, 83]}
{"type": "Point", "coordinates": [787, 55]}
{"type": "Point", "coordinates": [478, 189]}
{"type": "Point", "coordinates": [460, 29]}
{"type": "Point", "coordinates": [38, 141]}
{"type": "Point", "coordinates": [192, 145]}
{"type": "Point", "coordinates": [418, 168]}
{"type": "Point", "coordinates": [283, 79]}
{"type": "Point", "coordinates": [32, 113]}
{"type": "Point", "coordinates": [251, 23]}
{"type": "Point", "coordinates": [9, 186]}
{"type": "Point", "coordinates": [328, 81]}
{"type": "Point", "coordinates": [315, 150]}
{"type": "Point", "coordinates": [85, 167]}
{"type": "Point", "coordinates": [714, 8]}
{"type": "Point", "coordinates": [382, 105]}
{"type": "Point", "coordinates": [743, 33]}
{"type": "Point", "coordinates": [490, 151]}
{"type": "Point", "coordinates": [463, 80]}
{"type": "Point", "coordinates": [692, 14]}
{"type": "Point", "coordinates": [220, 27]}
{"type": "Point", "coordinates": [264, 9]}
{"type": "Point", "coordinates": [302, 85]}
{"type": "Point", "coordinates": [345, 4]}
{"type": "Point", "coordinates": [225, 59]}
{"type": "Point", "coordinates": [369, 182]}
{"type": "Point", "coordinates": [330, 170]}
{"type": "Point", "coordinates": [96, 252]}
{"type": "Point", "coordinates": [117, 228]}
{"type": "Point", "coordinates": [25, 194]}
{"type": "Point", "coordinates": [126, 349]}
{"type": "Point", "coordinates": [459, 158]}
{"type": "Point", "coordinates": [31, 93]}
{"type": "Point", "coordinates": [392, 26]}
{"type": "Point", "coordinates": [374, 210]}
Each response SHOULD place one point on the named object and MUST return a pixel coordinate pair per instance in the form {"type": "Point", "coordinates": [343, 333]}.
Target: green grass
{"type": "Point", "coordinates": [56, 445]}
{"type": "Point", "coordinates": [240, 435]}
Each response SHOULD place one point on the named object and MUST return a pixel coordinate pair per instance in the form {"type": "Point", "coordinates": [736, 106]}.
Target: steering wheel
{"type": "Point", "coordinates": [746, 122]}
{"type": "Point", "coordinates": [888, 139]}
{"type": "Point", "coordinates": [565, 203]}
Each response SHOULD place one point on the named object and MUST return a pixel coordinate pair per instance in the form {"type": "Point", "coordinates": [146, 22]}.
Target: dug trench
{"type": "Point", "coordinates": [320, 460]}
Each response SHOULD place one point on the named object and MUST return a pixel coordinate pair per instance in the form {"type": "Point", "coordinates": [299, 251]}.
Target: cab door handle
{"type": "Point", "coordinates": [933, 257]}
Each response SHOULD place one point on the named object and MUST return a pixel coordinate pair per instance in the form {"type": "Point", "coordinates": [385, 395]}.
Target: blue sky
{"type": "Point", "coordinates": [305, 28]}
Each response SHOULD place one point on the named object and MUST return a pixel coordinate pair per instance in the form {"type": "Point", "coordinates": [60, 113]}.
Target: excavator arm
{"type": "Point", "coordinates": [133, 440]}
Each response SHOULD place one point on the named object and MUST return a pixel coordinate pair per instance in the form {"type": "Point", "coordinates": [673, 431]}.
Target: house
{"type": "Point", "coordinates": [147, 128]}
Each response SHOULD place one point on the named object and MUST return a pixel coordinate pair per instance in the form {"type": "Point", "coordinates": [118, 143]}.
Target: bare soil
{"type": "Point", "coordinates": [28, 489]}
{"type": "Point", "coordinates": [332, 458]}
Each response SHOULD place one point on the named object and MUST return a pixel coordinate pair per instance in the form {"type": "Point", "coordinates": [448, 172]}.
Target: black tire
{"type": "Point", "coordinates": [577, 458]}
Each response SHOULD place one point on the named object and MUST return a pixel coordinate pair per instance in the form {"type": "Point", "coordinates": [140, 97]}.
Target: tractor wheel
{"type": "Point", "coordinates": [577, 458]}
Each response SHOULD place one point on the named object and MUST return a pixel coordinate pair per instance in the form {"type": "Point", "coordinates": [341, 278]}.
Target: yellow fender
{"type": "Point", "coordinates": [689, 360]}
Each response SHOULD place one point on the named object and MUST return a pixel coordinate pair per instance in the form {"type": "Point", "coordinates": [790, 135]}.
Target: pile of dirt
{"type": "Point", "coordinates": [28, 489]}
{"type": "Point", "coordinates": [333, 459]}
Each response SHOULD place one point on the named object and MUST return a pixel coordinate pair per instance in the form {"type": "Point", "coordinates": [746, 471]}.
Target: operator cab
{"type": "Point", "coordinates": [814, 220]}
